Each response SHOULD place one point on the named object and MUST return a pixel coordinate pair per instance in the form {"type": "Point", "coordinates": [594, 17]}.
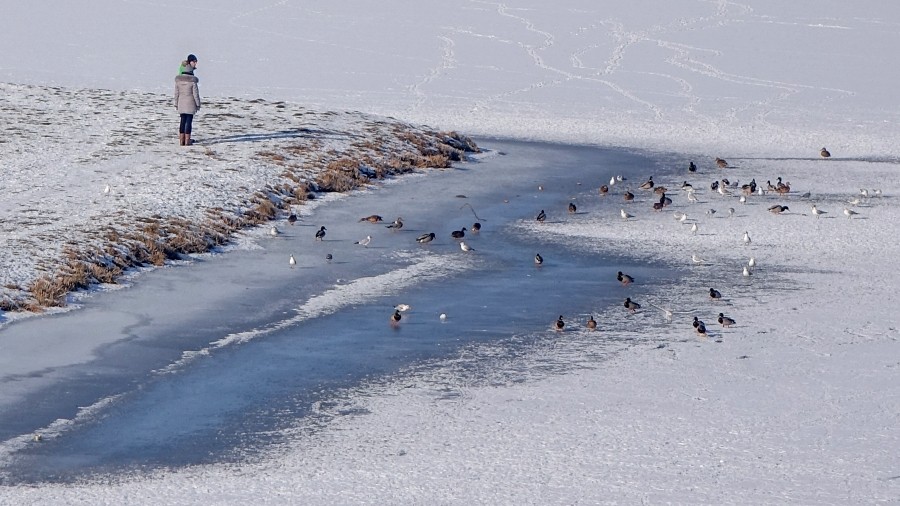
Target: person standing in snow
{"type": "Point", "coordinates": [187, 98]}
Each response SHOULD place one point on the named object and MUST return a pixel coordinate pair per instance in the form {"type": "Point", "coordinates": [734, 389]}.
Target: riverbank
{"type": "Point", "coordinates": [94, 182]}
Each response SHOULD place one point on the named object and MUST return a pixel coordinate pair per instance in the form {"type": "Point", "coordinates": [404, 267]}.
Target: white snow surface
{"type": "Point", "coordinates": [798, 404]}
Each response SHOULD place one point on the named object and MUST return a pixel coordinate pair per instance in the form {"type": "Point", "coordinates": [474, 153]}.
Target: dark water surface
{"type": "Point", "coordinates": [233, 399]}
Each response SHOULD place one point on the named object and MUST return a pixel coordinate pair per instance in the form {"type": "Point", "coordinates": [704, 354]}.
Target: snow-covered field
{"type": "Point", "coordinates": [796, 403]}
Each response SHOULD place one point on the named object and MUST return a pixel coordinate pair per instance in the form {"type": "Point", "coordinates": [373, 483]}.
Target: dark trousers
{"type": "Point", "coordinates": [187, 120]}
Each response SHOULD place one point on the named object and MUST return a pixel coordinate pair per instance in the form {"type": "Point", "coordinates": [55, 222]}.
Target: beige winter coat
{"type": "Point", "coordinates": [187, 94]}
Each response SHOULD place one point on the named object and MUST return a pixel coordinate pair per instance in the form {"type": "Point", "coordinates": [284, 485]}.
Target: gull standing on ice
{"type": "Point", "coordinates": [694, 229]}
{"type": "Point", "coordinates": [106, 190]}
{"type": "Point", "coordinates": [746, 237]}
{"type": "Point", "coordinates": [402, 307]}
{"type": "Point", "coordinates": [465, 247]}
{"type": "Point", "coordinates": [746, 271]}
{"type": "Point", "coordinates": [364, 242]}
{"type": "Point", "coordinates": [752, 262]}
{"type": "Point", "coordinates": [816, 211]}
{"type": "Point", "coordinates": [849, 213]}
{"type": "Point", "coordinates": [273, 231]}
{"type": "Point", "coordinates": [624, 215]}
{"type": "Point", "coordinates": [292, 262]}
{"type": "Point", "coordinates": [697, 260]}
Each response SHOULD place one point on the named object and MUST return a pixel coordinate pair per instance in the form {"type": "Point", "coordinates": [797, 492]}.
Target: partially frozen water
{"type": "Point", "coordinates": [216, 356]}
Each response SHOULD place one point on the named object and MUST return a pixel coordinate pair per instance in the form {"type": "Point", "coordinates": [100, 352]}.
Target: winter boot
{"type": "Point", "coordinates": [181, 139]}
{"type": "Point", "coordinates": [187, 139]}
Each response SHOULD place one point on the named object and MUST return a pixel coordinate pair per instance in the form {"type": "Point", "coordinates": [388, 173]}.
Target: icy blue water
{"type": "Point", "coordinates": [230, 402]}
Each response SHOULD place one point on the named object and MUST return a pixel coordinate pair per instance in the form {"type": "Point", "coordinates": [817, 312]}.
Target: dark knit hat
{"type": "Point", "coordinates": [191, 58]}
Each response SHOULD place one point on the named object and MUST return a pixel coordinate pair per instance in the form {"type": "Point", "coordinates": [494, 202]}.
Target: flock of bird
{"type": "Point", "coordinates": [397, 224]}
{"type": "Point", "coordinates": [725, 188]}
{"type": "Point", "coordinates": [660, 200]}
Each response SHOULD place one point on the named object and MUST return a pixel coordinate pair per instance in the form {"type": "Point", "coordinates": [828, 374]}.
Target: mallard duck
{"type": "Point", "coordinates": [425, 238]}
{"type": "Point", "coordinates": [572, 208]}
{"type": "Point", "coordinates": [725, 321]}
{"type": "Point", "coordinates": [458, 234]}
{"type": "Point", "coordinates": [538, 259]}
{"type": "Point", "coordinates": [560, 324]}
{"type": "Point", "coordinates": [623, 278]}
{"type": "Point", "coordinates": [541, 216]}
{"type": "Point", "coordinates": [824, 153]}
{"type": "Point", "coordinates": [591, 323]}
{"type": "Point", "coordinates": [631, 305]}
{"type": "Point", "coordinates": [320, 234]}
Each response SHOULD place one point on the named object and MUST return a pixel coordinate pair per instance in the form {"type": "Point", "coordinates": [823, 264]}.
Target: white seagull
{"type": "Point", "coordinates": [730, 212]}
{"type": "Point", "coordinates": [364, 242]}
{"type": "Point", "coordinates": [746, 271]}
{"type": "Point", "coordinates": [816, 211]}
{"type": "Point", "coordinates": [625, 215]}
{"type": "Point", "coordinates": [106, 190]}
{"type": "Point", "coordinates": [849, 212]}
{"type": "Point", "coordinates": [612, 180]}
{"type": "Point", "coordinates": [465, 247]}
{"type": "Point", "coordinates": [694, 229]}
{"type": "Point", "coordinates": [402, 307]}
{"type": "Point", "coordinates": [696, 259]}
{"type": "Point", "coordinates": [746, 237]}
{"type": "Point", "coordinates": [752, 262]}
{"type": "Point", "coordinates": [292, 262]}
{"type": "Point", "coordinates": [273, 231]}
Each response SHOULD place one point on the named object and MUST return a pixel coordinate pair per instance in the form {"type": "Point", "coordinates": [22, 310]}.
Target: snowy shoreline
{"type": "Point", "coordinates": [123, 195]}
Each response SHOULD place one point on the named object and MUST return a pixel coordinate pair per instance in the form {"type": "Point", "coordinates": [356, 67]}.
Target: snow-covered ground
{"type": "Point", "coordinates": [796, 403]}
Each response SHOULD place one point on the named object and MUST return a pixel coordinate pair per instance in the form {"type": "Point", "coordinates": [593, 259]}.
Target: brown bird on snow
{"type": "Point", "coordinates": [720, 163]}
{"type": "Point", "coordinates": [372, 218]}
{"type": "Point", "coordinates": [824, 153]}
